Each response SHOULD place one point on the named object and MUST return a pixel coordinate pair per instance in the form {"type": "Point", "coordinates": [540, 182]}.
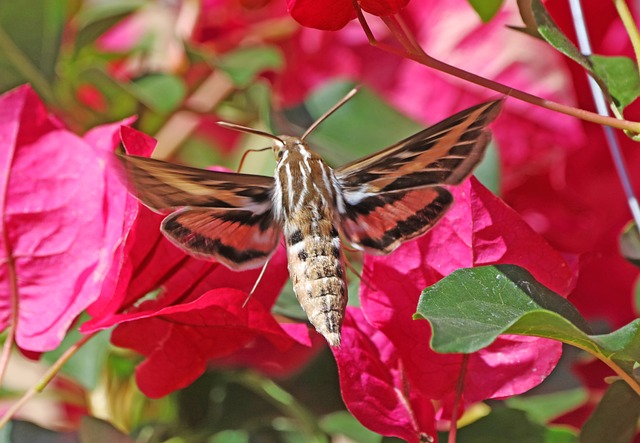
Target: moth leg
{"type": "Point", "coordinates": [255, 285]}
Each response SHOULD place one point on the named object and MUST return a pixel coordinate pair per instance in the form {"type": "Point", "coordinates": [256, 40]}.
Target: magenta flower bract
{"type": "Point", "coordinates": [63, 216]}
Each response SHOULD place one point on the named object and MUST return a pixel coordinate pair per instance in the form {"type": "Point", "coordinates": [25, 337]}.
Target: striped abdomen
{"type": "Point", "coordinates": [306, 197]}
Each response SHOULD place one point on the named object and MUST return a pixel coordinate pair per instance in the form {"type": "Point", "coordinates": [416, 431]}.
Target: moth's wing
{"type": "Point", "coordinates": [237, 238]}
{"type": "Point", "coordinates": [162, 185]}
{"type": "Point", "coordinates": [381, 222]}
{"type": "Point", "coordinates": [445, 153]}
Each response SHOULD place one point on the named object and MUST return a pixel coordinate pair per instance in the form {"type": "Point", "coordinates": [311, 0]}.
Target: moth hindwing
{"type": "Point", "coordinates": [376, 203]}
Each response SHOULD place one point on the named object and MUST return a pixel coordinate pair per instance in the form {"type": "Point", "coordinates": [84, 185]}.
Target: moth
{"type": "Point", "coordinates": [376, 203]}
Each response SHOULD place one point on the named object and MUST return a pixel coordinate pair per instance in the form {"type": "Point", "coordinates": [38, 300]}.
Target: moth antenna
{"type": "Point", "coordinates": [244, 156]}
{"type": "Point", "coordinates": [333, 109]}
{"type": "Point", "coordinates": [247, 130]}
{"type": "Point", "coordinates": [264, 268]}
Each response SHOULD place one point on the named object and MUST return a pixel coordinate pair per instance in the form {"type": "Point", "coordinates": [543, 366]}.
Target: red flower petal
{"type": "Point", "coordinates": [328, 15]}
{"type": "Point", "coordinates": [331, 15]}
{"type": "Point", "coordinates": [383, 7]}
{"type": "Point", "coordinates": [179, 340]}
{"type": "Point", "coordinates": [374, 384]}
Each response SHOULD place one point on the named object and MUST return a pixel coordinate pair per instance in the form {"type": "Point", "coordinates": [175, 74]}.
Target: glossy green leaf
{"type": "Point", "coordinates": [630, 244]}
{"type": "Point", "coordinates": [620, 74]}
{"type": "Point", "coordinates": [470, 308]}
{"type": "Point", "coordinates": [486, 9]}
{"type": "Point", "coordinates": [614, 419]}
{"type": "Point", "coordinates": [245, 64]}
{"type": "Point", "coordinates": [162, 93]}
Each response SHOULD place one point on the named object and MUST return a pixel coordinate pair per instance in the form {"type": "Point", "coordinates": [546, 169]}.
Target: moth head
{"type": "Point", "coordinates": [283, 142]}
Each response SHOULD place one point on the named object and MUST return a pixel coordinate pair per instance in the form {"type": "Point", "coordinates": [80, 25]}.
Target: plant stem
{"type": "Point", "coordinates": [630, 27]}
{"type": "Point", "coordinates": [284, 401]}
{"type": "Point", "coordinates": [45, 380]}
{"type": "Point", "coordinates": [457, 403]}
{"type": "Point", "coordinates": [632, 382]}
{"type": "Point", "coordinates": [418, 55]}
{"type": "Point", "coordinates": [12, 274]}
{"type": "Point", "coordinates": [6, 351]}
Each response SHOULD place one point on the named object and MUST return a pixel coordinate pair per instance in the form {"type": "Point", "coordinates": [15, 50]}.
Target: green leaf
{"type": "Point", "coordinates": [617, 76]}
{"type": "Point", "coordinates": [544, 408]}
{"type": "Point", "coordinates": [364, 125]}
{"type": "Point", "coordinates": [162, 93]}
{"type": "Point", "coordinates": [96, 18]}
{"type": "Point", "coordinates": [558, 434]}
{"type": "Point", "coordinates": [502, 426]}
{"type": "Point", "coordinates": [555, 37]}
{"type": "Point", "coordinates": [30, 36]}
{"type": "Point", "coordinates": [343, 423]}
{"type": "Point", "coordinates": [245, 64]}
{"type": "Point", "coordinates": [5, 433]}
{"type": "Point", "coordinates": [24, 431]}
{"type": "Point", "coordinates": [620, 74]}
{"type": "Point", "coordinates": [614, 419]}
{"type": "Point", "coordinates": [630, 244]}
{"type": "Point", "coordinates": [367, 124]}
{"type": "Point", "coordinates": [94, 430]}
{"type": "Point", "coordinates": [470, 308]}
{"type": "Point", "coordinates": [287, 304]}
{"type": "Point", "coordinates": [85, 365]}
{"type": "Point", "coordinates": [636, 294]}
{"type": "Point", "coordinates": [486, 9]}
{"type": "Point", "coordinates": [488, 171]}
{"type": "Point", "coordinates": [230, 436]}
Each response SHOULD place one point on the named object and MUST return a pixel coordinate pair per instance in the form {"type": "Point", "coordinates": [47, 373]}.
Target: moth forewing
{"type": "Point", "coordinates": [377, 203]}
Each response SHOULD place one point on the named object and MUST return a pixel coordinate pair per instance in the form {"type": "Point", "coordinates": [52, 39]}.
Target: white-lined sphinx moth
{"type": "Point", "coordinates": [376, 203]}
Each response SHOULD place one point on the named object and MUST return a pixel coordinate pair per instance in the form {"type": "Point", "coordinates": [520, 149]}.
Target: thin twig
{"type": "Point", "coordinates": [629, 26]}
{"type": "Point", "coordinates": [272, 392]}
{"type": "Point", "coordinates": [45, 380]}
{"type": "Point", "coordinates": [423, 58]}
{"type": "Point", "coordinates": [12, 274]}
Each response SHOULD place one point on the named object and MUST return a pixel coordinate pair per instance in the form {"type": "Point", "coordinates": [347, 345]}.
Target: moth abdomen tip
{"type": "Point", "coordinates": [333, 338]}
